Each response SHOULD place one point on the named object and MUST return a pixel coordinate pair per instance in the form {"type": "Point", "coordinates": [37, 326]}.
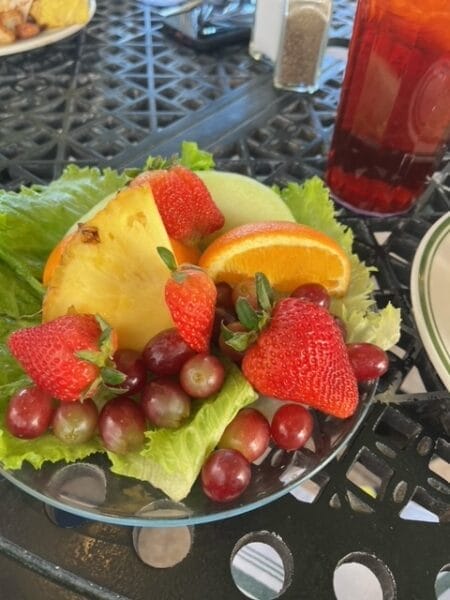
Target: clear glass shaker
{"type": "Point", "coordinates": [266, 29]}
{"type": "Point", "coordinates": [302, 44]}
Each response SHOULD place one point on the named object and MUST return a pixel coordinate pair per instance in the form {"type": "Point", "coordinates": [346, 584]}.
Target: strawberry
{"type": "Point", "coordinates": [68, 356]}
{"type": "Point", "coordinates": [300, 356]}
{"type": "Point", "coordinates": [184, 203]}
{"type": "Point", "coordinates": [190, 295]}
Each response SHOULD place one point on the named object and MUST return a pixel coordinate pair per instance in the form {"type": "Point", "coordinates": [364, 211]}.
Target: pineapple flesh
{"type": "Point", "coordinates": [111, 267]}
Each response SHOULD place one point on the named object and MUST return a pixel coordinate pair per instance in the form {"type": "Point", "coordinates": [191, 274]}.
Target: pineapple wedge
{"type": "Point", "coordinates": [110, 267]}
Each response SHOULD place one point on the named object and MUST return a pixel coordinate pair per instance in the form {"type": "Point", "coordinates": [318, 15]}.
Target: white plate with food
{"type": "Point", "coordinates": [430, 291]}
{"type": "Point", "coordinates": [19, 32]}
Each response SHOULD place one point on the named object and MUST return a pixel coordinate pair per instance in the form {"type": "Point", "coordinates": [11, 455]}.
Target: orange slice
{"type": "Point", "coordinates": [184, 253]}
{"type": "Point", "coordinates": [288, 254]}
{"type": "Point", "coordinates": [55, 258]}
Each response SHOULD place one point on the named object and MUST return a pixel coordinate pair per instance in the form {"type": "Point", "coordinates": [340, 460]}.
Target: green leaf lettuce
{"type": "Point", "coordinates": [311, 205]}
{"type": "Point", "coordinates": [173, 458]}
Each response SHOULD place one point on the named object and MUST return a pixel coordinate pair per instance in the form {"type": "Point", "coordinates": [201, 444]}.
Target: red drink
{"type": "Point", "coordinates": [394, 114]}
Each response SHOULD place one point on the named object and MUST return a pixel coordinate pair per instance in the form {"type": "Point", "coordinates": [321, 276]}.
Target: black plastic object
{"type": "Point", "coordinates": [211, 25]}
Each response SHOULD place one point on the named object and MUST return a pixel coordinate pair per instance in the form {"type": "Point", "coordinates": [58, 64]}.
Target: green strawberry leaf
{"type": "Point", "coordinates": [106, 341]}
{"type": "Point", "coordinates": [112, 377]}
{"type": "Point", "coordinates": [167, 257]}
{"type": "Point", "coordinates": [246, 314]}
{"type": "Point", "coordinates": [238, 340]}
{"type": "Point", "coordinates": [92, 356]}
{"type": "Point", "coordinates": [264, 292]}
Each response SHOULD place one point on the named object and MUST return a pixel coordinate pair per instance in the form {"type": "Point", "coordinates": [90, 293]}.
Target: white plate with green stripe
{"type": "Point", "coordinates": [430, 295]}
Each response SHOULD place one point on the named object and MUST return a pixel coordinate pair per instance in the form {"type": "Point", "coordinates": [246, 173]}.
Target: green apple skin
{"type": "Point", "coordinates": [241, 200]}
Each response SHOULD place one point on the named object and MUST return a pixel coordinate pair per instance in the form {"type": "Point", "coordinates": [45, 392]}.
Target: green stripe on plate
{"type": "Point", "coordinates": [424, 273]}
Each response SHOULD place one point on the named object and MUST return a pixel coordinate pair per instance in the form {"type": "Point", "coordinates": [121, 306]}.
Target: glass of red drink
{"type": "Point", "coordinates": [394, 114]}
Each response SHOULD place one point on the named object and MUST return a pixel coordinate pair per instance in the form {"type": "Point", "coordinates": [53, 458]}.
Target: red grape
{"type": "Point", "coordinates": [313, 292]}
{"type": "Point", "coordinates": [291, 426]}
{"type": "Point", "coordinates": [75, 422]}
{"type": "Point", "coordinates": [165, 403]}
{"type": "Point", "coordinates": [122, 425]}
{"type": "Point", "coordinates": [248, 432]}
{"type": "Point", "coordinates": [29, 413]}
{"type": "Point", "coordinates": [166, 353]}
{"type": "Point", "coordinates": [131, 364]}
{"type": "Point", "coordinates": [202, 375]}
{"type": "Point", "coordinates": [246, 289]}
{"type": "Point", "coordinates": [368, 361]}
{"type": "Point", "coordinates": [225, 475]}
{"type": "Point", "coordinates": [224, 295]}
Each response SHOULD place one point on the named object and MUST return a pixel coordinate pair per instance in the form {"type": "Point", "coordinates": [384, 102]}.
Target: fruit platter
{"type": "Point", "coordinates": [180, 344]}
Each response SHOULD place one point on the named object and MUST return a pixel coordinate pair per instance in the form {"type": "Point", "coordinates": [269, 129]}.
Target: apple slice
{"type": "Point", "coordinates": [242, 200]}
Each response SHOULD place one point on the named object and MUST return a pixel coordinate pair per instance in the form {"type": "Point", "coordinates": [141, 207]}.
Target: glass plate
{"type": "Point", "coordinates": [46, 37]}
{"type": "Point", "coordinates": [89, 489]}
{"type": "Point", "coordinates": [430, 292]}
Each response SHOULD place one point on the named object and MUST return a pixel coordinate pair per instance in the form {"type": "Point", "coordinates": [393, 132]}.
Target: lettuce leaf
{"type": "Point", "coordinates": [14, 451]}
{"type": "Point", "coordinates": [195, 159]}
{"type": "Point", "coordinates": [172, 458]}
{"type": "Point", "coordinates": [33, 220]}
{"type": "Point", "coordinates": [190, 157]}
{"type": "Point", "coordinates": [10, 370]}
{"type": "Point", "coordinates": [311, 205]}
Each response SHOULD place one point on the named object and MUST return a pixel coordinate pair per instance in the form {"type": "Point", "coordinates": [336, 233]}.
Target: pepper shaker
{"type": "Point", "coordinates": [303, 39]}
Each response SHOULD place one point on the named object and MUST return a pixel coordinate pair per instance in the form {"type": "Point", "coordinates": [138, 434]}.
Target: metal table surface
{"type": "Point", "coordinates": [111, 95]}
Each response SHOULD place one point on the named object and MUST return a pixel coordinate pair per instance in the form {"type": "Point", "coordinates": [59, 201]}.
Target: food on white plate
{"type": "Point", "coordinates": [22, 6]}
{"type": "Point", "coordinates": [166, 358]}
{"type": "Point", "coordinates": [60, 13]}
{"type": "Point", "coordinates": [14, 21]}
{"type": "Point", "coordinates": [23, 19]}
{"type": "Point", "coordinates": [6, 35]}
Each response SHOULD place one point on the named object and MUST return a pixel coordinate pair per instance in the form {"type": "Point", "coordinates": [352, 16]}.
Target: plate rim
{"type": "Point", "coordinates": [367, 398]}
{"type": "Point", "coordinates": [47, 37]}
{"type": "Point", "coordinates": [420, 297]}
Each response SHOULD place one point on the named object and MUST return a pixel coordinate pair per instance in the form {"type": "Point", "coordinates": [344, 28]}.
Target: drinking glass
{"type": "Point", "coordinates": [394, 114]}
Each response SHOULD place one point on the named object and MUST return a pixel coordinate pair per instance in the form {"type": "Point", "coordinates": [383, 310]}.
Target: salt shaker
{"type": "Point", "coordinates": [302, 43]}
{"type": "Point", "coordinates": [266, 29]}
